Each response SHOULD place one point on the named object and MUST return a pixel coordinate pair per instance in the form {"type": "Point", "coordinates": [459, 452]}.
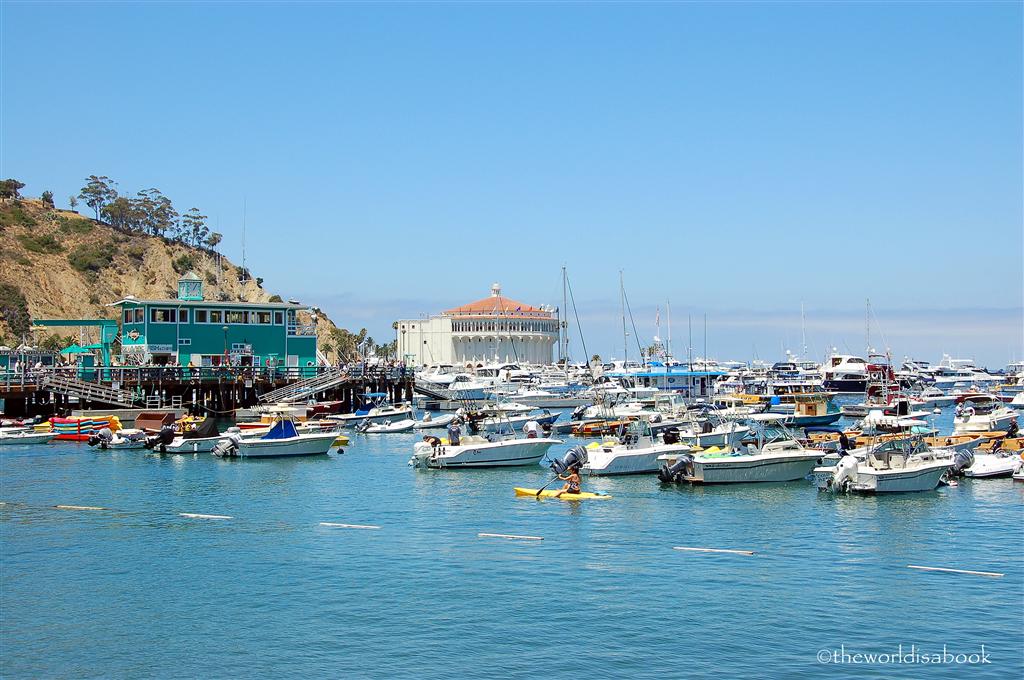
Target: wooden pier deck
{"type": "Point", "coordinates": [206, 390]}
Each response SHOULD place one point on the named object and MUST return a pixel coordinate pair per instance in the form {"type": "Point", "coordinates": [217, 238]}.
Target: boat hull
{"type": "Point", "coordinates": [749, 469]}
{"type": "Point", "coordinates": [623, 461]}
{"type": "Point", "coordinates": [513, 453]}
{"type": "Point", "coordinates": [303, 445]}
{"type": "Point", "coordinates": [900, 481]}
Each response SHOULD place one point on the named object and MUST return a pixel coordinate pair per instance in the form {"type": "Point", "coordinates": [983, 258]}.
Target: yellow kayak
{"type": "Point", "coordinates": [549, 493]}
{"type": "Point", "coordinates": [342, 440]}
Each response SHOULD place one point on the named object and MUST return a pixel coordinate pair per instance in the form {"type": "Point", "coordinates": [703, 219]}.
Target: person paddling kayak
{"type": "Point", "coordinates": [572, 482]}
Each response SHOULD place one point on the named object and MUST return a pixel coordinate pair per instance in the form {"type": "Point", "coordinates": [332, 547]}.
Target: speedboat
{"type": "Point", "coordinates": [386, 427]}
{"type": "Point", "coordinates": [22, 436]}
{"type": "Point", "coordinates": [500, 421]}
{"type": "Point", "coordinates": [891, 467]}
{"type": "Point", "coordinates": [122, 439]}
{"type": "Point", "coordinates": [374, 407]}
{"type": "Point", "coordinates": [474, 451]}
{"type": "Point", "coordinates": [990, 465]}
{"type": "Point", "coordinates": [636, 450]}
{"type": "Point", "coordinates": [782, 460]}
{"type": "Point", "coordinates": [283, 439]}
{"type": "Point", "coordinates": [981, 413]}
{"type": "Point", "coordinates": [198, 437]}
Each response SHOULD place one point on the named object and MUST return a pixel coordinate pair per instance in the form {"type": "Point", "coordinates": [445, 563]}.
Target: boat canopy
{"type": "Point", "coordinates": [206, 429]}
{"type": "Point", "coordinates": [282, 429]}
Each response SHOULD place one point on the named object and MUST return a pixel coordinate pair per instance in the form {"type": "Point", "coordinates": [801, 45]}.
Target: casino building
{"type": "Point", "coordinates": [493, 329]}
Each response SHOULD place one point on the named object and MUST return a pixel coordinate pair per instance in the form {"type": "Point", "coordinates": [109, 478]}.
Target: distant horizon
{"type": "Point", "coordinates": [738, 160]}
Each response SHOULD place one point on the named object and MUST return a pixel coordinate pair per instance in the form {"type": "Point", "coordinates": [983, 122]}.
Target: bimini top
{"type": "Point", "coordinates": [282, 429]}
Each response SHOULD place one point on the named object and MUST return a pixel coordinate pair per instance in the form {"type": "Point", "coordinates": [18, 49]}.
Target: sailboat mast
{"type": "Point", "coordinates": [565, 322]}
{"type": "Point", "coordinates": [668, 310]}
{"type": "Point", "coordinates": [625, 341]}
{"type": "Point", "coordinates": [803, 333]}
{"type": "Point", "coordinates": [867, 325]}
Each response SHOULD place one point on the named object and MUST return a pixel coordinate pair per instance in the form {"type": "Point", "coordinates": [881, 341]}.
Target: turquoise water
{"type": "Point", "coordinates": [138, 591]}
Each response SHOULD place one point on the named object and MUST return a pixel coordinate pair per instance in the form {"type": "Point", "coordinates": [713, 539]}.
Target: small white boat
{"type": "Point", "coordinates": [283, 439]}
{"type": "Point", "coordinates": [636, 451]}
{"type": "Point", "coordinates": [438, 423]}
{"type": "Point", "coordinates": [374, 407]}
{"type": "Point", "coordinates": [992, 465]}
{"type": "Point", "coordinates": [892, 467]}
{"type": "Point", "coordinates": [981, 413]}
{"type": "Point", "coordinates": [122, 439]}
{"type": "Point", "coordinates": [474, 451]}
{"type": "Point", "coordinates": [25, 437]}
{"type": "Point", "coordinates": [707, 434]}
{"type": "Point", "coordinates": [386, 427]}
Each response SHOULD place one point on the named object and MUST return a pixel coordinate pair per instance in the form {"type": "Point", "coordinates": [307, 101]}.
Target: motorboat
{"type": "Point", "coordinates": [387, 427]}
{"type": "Point", "coordinates": [845, 373]}
{"type": "Point", "coordinates": [992, 465]}
{"type": "Point", "coordinates": [933, 396]}
{"type": "Point", "coordinates": [196, 437]}
{"type": "Point", "coordinates": [783, 459]}
{"type": "Point", "coordinates": [813, 412]}
{"type": "Point", "coordinates": [977, 412]}
{"type": "Point", "coordinates": [894, 466]}
{"type": "Point", "coordinates": [709, 429]}
{"type": "Point", "coordinates": [636, 450]}
{"type": "Point", "coordinates": [283, 439]}
{"type": "Point", "coordinates": [498, 421]}
{"type": "Point", "coordinates": [430, 423]}
{"type": "Point", "coordinates": [122, 439]}
{"type": "Point", "coordinates": [25, 436]}
{"type": "Point", "coordinates": [475, 451]}
{"type": "Point", "coordinates": [374, 407]}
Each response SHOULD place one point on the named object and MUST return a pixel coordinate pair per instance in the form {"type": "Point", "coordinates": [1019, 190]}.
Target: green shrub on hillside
{"type": "Point", "coordinates": [135, 251]}
{"type": "Point", "coordinates": [74, 225]}
{"type": "Point", "coordinates": [14, 309]}
{"type": "Point", "coordinates": [183, 264]}
{"type": "Point", "coordinates": [92, 257]}
{"type": "Point", "coordinates": [14, 215]}
{"type": "Point", "coordinates": [44, 244]}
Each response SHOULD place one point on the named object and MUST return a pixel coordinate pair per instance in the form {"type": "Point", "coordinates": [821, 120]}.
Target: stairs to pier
{"type": "Point", "coordinates": [87, 391]}
{"type": "Point", "coordinates": [303, 389]}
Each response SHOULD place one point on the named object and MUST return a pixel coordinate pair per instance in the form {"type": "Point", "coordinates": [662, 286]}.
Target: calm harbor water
{"type": "Point", "coordinates": [139, 591]}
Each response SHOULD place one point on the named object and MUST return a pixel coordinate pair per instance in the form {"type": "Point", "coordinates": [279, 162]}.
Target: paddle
{"type": "Point", "coordinates": [545, 486]}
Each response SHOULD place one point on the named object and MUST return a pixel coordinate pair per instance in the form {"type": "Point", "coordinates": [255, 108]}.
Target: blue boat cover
{"type": "Point", "coordinates": [282, 429]}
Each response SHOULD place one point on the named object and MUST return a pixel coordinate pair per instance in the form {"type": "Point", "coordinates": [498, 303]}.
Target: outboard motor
{"type": "Point", "coordinates": [961, 461]}
{"type": "Point", "coordinates": [227, 446]}
{"type": "Point", "coordinates": [683, 467]}
{"type": "Point", "coordinates": [576, 457]}
{"type": "Point", "coordinates": [161, 439]}
{"type": "Point", "coordinates": [577, 413]}
{"type": "Point", "coordinates": [101, 438]}
{"type": "Point", "coordinates": [670, 435]}
{"type": "Point", "coordinates": [845, 474]}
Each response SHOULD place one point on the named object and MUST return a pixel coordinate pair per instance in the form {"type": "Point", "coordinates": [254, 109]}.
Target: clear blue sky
{"type": "Point", "coordinates": [737, 159]}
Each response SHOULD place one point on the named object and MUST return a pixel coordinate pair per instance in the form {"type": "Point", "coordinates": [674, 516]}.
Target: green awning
{"type": "Point", "coordinates": [74, 348]}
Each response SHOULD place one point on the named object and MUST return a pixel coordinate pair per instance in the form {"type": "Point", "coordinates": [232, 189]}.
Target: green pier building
{"type": "Point", "coordinates": [191, 330]}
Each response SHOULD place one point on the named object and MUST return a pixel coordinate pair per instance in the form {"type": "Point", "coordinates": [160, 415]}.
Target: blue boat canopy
{"type": "Point", "coordinates": [282, 429]}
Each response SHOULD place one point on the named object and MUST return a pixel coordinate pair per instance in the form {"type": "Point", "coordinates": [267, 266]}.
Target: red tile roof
{"type": "Point", "coordinates": [497, 305]}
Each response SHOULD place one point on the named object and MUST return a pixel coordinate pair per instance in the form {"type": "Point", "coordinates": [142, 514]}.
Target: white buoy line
{"type": "Point", "coordinates": [518, 537]}
{"type": "Point", "coordinates": [715, 550]}
{"type": "Point", "coordinates": [339, 525]}
{"type": "Point", "coordinates": [990, 574]}
{"type": "Point", "coordinates": [79, 507]}
{"type": "Point", "coordinates": [196, 515]}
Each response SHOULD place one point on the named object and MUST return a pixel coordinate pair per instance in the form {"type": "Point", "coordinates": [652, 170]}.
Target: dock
{"type": "Point", "coordinates": [206, 390]}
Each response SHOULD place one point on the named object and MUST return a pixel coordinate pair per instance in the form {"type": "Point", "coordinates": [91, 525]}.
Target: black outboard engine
{"type": "Point", "coordinates": [961, 461]}
{"type": "Point", "coordinates": [683, 467]}
{"type": "Point", "coordinates": [670, 435]}
{"type": "Point", "coordinates": [577, 413]}
{"type": "Point", "coordinates": [161, 439]}
{"type": "Point", "coordinates": [576, 457]}
{"type": "Point", "coordinates": [101, 438]}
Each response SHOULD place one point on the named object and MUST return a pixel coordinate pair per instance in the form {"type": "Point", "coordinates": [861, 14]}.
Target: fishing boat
{"type": "Point", "coordinates": [387, 427]}
{"type": "Point", "coordinates": [25, 436]}
{"type": "Point", "coordinates": [977, 412]}
{"type": "Point", "coordinates": [782, 459]}
{"type": "Point", "coordinates": [374, 407]}
{"type": "Point", "coordinates": [813, 412]}
{"type": "Point", "coordinates": [474, 451]}
{"type": "Point", "coordinates": [636, 450]}
{"type": "Point", "coordinates": [122, 439]}
{"type": "Point", "coordinates": [200, 437]}
{"type": "Point", "coordinates": [897, 466]}
{"type": "Point", "coordinates": [282, 440]}
{"type": "Point", "coordinates": [505, 421]}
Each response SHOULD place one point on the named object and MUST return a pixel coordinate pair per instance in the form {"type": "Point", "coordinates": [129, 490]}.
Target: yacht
{"type": "Point", "coordinates": [845, 373]}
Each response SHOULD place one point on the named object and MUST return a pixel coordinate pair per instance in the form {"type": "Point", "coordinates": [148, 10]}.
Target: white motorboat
{"type": "Point", "coordinates": [431, 423]}
{"type": "Point", "coordinates": [892, 467]}
{"type": "Point", "coordinates": [507, 422]}
{"type": "Point", "coordinates": [122, 439]}
{"type": "Point", "coordinates": [387, 427]}
{"type": "Point", "coordinates": [725, 434]}
{"type": "Point", "coordinates": [474, 451]}
{"type": "Point", "coordinates": [283, 439]}
{"type": "Point", "coordinates": [1018, 401]}
{"type": "Point", "coordinates": [990, 465]}
{"type": "Point", "coordinates": [981, 413]}
{"type": "Point", "coordinates": [374, 407]}
{"type": "Point", "coordinates": [24, 437]}
{"type": "Point", "coordinates": [781, 460]}
{"type": "Point", "coordinates": [933, 396]}
{"type": "Point", "coordinates": [636, 451]}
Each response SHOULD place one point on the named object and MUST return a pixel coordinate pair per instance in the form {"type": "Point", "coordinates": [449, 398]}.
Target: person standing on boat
{"type": "Point", "coordinates": [532, 429]}
{"type": "Point", "coordinates": [454, 433]}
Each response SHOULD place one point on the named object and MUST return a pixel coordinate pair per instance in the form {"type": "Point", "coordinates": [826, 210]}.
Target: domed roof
{"type": "Point", "coordinates": [497, 305]}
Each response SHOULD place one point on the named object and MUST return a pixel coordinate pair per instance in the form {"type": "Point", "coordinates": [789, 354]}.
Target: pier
{"type": "Point", "coordinates": [208, 390]}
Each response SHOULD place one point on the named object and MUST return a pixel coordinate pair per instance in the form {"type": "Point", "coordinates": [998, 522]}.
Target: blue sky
{"type": "Point", "coordinates": [396, 159]}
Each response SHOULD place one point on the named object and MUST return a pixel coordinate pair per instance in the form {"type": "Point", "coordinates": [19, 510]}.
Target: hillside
{"type": "Point", "coordinates": [59, 264]}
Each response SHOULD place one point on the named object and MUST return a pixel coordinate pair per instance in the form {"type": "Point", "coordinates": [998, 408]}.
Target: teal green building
{"type": "Point", "coordinates": [209, 333]}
